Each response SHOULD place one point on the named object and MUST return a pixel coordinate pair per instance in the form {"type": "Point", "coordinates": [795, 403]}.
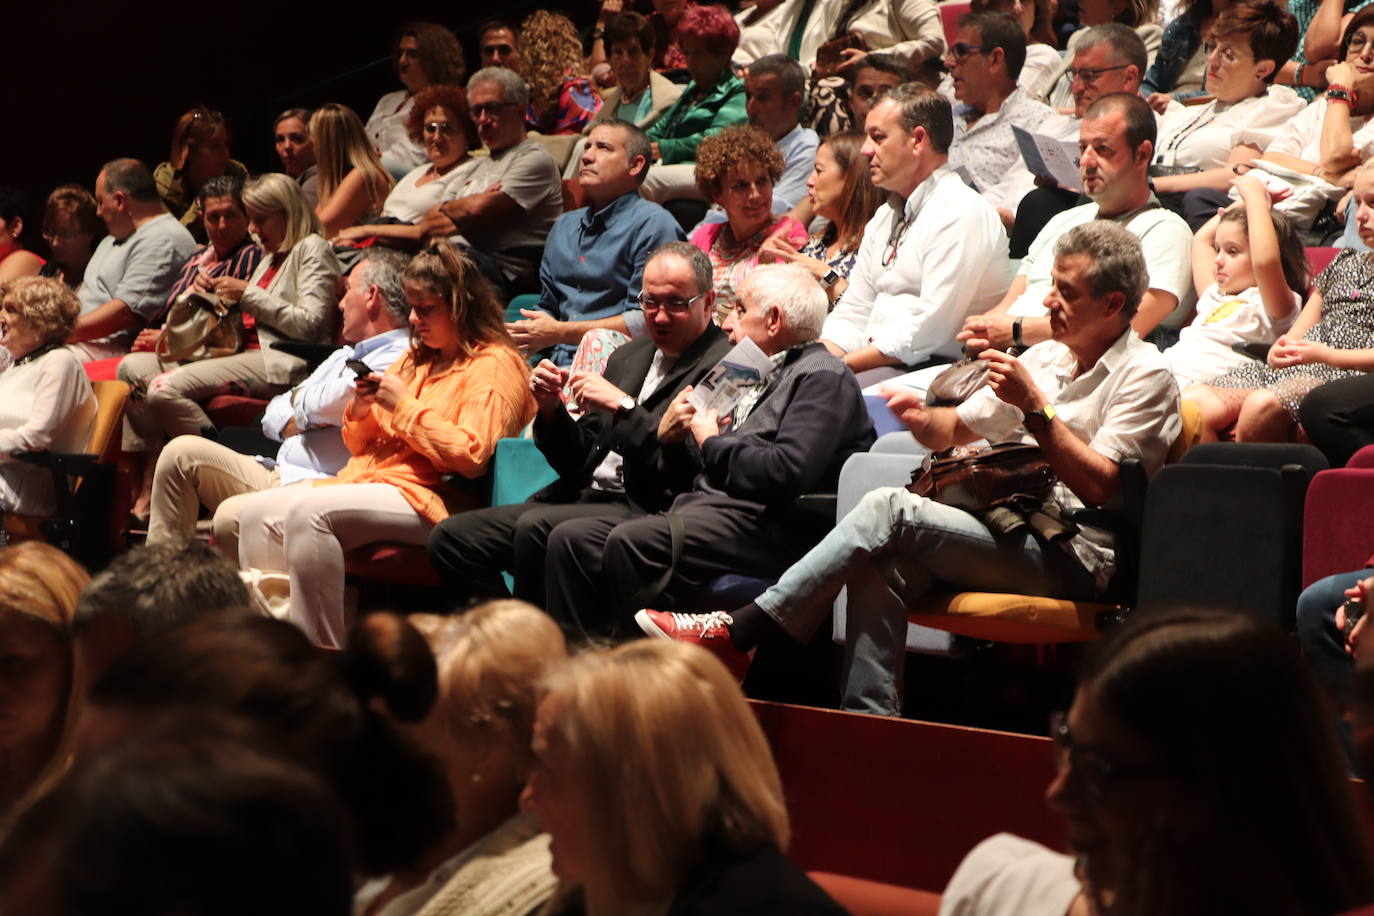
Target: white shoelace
{"type": "Point", "coordinates": [702, 623]}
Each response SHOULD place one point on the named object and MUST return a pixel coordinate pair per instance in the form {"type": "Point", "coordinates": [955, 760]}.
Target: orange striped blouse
{"type": "Point", "coordinates": [448, 423]}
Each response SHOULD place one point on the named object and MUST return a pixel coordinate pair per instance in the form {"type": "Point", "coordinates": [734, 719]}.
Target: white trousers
{"type": "Point", "coordinates": [304, 531]}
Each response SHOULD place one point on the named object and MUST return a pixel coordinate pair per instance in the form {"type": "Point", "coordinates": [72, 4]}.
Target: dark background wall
{"type": "Point", "coordinates": [89, 81]}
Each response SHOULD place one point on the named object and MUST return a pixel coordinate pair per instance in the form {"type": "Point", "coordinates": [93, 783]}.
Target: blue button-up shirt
{"type": "Point", "coordinates": [318, 404]}
{"type": "Point", "coordinates": [593, 263]}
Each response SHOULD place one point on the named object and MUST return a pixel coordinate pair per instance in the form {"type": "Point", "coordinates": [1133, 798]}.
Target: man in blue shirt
{"type": "Point", "coordinates": [593, 263]}
{"type": "Point", "coordinates": [306, 420]}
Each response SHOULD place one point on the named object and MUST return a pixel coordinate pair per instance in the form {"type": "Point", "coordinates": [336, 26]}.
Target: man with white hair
{"type": "Point", "coordinates": [740, 474]}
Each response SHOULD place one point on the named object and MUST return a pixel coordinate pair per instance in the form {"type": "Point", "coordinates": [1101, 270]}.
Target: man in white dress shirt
{"type": "Point", "coordinates": [306, 420]}
{"type": "Point", "coordinates": [932, 255]}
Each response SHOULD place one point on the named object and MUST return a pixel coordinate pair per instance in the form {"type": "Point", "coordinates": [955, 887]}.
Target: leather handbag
{"type": "Point", "coordinates": [976, 480]}
{"type": "Point", "coordinates": [199, 326]}
{"type": "Point", "coordinates": [954, 386]}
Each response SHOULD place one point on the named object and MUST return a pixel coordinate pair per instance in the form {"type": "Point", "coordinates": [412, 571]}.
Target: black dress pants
{"type": "Point", "coordinates": [471, 549]}
{"type": "Point", "coordinates": [1339, 417]}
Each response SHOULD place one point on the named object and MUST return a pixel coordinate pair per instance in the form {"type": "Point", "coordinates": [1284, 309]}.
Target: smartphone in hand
{"type": "Point", "coordinates": [360, 368]}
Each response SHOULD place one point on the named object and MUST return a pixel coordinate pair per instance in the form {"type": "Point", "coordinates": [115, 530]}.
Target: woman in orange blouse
{"type": "Point", "coordinates": [439, 409]}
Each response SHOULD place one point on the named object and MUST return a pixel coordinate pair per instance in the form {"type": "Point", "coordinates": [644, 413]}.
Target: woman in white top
{"type": "Point", "coordinates": [1333, 135]}
{"type": "Point", "coordinates": [426, 54]}
{"type": "Point", "coordinates": [45, 398]}
{"type": "Point", "coordinates": [1202, 144]}
{"type": "Point", "coordinates": [440, 119]}
{"type": "Point", "coordinates": [1183, 725]}
{"type": "Point", "coordinates": [1251, 273]}
{"type": "Point", "coordinates": [492, 661]}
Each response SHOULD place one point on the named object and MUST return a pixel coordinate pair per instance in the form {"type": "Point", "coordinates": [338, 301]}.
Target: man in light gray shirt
{"type": "Point", "coordinates": [128, 278]}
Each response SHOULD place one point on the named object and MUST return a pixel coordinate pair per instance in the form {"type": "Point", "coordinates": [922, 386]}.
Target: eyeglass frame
{"type": "Point", "coordinates": [967, 52]}
{"type": "Point", "coordinates": [1093, 766]}
{"type": "Point", "coordinates": [672, 306]}
{"type": "Point", "coordinates": [1090, 75]}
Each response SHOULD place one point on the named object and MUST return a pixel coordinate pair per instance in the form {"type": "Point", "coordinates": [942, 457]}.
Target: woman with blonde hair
{"type": "Point", "coordinates": [353, 185]}
{"type": "Point", "coordinates": [45, 398]}
{"type": "Point", "coordinates": [40, 682]}
{"type": "Point", "coordinates": [562, 100]}
{"type": "Point", "coordinates": [491, 663]}
{"type": "Point", "coordinates": [291, 296]}
{"type": "Point", "coordinates": [439, 409]}
{"type": "Point", "coordinates": [659, 733]}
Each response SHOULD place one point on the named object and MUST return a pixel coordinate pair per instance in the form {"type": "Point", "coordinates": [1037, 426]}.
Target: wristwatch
{"type": "Point", "coordinates": [1037, 421]}
{"type": "Point", "coordinates": [831, 278]}
{"type": "Point", "coordinates": [627, 404]}
{"type": "Point", "coordinates": [1016, 336]}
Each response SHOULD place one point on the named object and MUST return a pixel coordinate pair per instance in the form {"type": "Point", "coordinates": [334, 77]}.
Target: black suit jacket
{"type": "Point", "coordinates": [575, 448]}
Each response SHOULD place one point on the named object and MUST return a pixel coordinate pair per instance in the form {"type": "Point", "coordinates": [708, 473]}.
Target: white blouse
{"type": "Point", "coordinates": [45, 405]}
{"type": "Point", "coordinates": [1203, 136]}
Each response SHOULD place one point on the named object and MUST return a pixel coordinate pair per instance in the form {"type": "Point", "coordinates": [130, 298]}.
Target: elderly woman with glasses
{"type": "Point", "coordinates": [440, 121]}
{"type": "Point", "coordinates": [736, 169]}
{"type": "Point", "coordinates": [1182, 727]}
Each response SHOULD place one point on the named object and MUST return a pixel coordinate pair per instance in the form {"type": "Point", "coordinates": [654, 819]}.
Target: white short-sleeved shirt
{"type": "Point", "coordinates": [987, 149]}
{"type": "Point", "coordinates": [950, 262]}
{"type": "Point", "coordinates": [1006, 875]}
{"type": "Point", "coordinates": [409, 201]}
{"type": "Point", "coordinates": [1125, 406]}
{"type": "Point", "coordinates": [386, 128]}
{"type": "Point", "coordinates": [1203, 136]}
{"type": "Point", "coordinates": [1164, 237]}
{"type": "Point", "coordinates": [528, 176]}
{"type": "Point", "coordinates": [1203, 351]}
{"type": "Point", "coordinates": [1301, 137]}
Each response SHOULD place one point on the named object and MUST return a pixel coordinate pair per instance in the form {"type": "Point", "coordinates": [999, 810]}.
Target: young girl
{"type": "Point", "coordinates": [1330, 339]}
{"type": "Point", "coordinates": [1250, 272]}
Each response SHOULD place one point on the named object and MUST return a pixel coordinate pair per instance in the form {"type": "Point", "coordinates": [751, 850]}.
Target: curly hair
{"type": "Point", "coordinates": [552, 52]}
{"type": "Point", "coordinates": [453, 99]}
{"type": "Point", "coordinates": [733, 147]}
{"type": "Point", "coordinates": [45, 306]}
{"type": "Point", "coordinates": [438, 49]}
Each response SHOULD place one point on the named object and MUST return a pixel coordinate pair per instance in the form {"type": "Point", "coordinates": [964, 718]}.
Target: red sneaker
{"type": "Point", "coordinates": [710, 631]}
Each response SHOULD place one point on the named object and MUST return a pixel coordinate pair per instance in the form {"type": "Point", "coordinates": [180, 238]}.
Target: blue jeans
{"type": "Point", "coordinates": [1324, 646]}
{"type": "Point", "coordinates": [890, 550]}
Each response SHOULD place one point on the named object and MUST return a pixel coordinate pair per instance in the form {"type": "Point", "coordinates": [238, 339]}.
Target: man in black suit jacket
{"type": "Point", "coordinates": [607, 460]}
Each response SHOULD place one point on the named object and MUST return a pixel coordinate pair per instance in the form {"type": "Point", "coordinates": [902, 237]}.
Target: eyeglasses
{"type": "Point", "coordinates": [1094, 769]}
{"type": "Point", "coordinates": [1227, 55]}
{"type": "Point", "coordinates": [960, 50]}
{"type": "Point", "coordinates": [1089, 75]}
{"type": "Point", "coordinates": [440, 127]}
{"type": "Point", "coordinates": [762, 183]}
{"type": "Point", "coordinates": [490, 109]}
{"type": "Point", "coordinates": [672, 306]}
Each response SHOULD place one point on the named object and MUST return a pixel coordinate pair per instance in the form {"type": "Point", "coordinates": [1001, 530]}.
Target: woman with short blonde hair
{"type": "Point", "coordinates": [353, 184]}
{"type": "Point", "coordinates": [659, 733]}
{"type": "Point", "coordinates": [491, 663]}
{"type": "Point", "coordinates": [40, 700]}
